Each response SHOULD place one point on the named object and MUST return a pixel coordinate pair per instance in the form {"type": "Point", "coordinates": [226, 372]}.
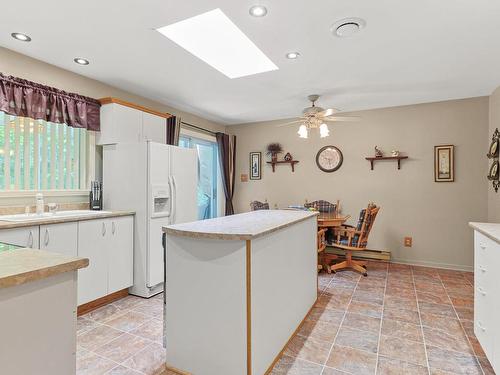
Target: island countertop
{"type": "Point", "coordinates": [490, 230]}
{"type": "Point", "coordinates": [25, 265]}
{"type": "Point", "coordinates": [246, 226]}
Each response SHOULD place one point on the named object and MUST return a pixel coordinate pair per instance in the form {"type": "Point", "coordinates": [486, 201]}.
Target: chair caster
{"type": "Point", "coordinates": [365, 274]}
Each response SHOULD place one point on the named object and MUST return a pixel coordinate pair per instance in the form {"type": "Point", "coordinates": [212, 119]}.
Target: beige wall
{"type": "Point", "coordinates": [434, 214]}
{"type": "Point", "coordinates": [15, 64]}
{"type": "Point", "coordinates": [494, 198]}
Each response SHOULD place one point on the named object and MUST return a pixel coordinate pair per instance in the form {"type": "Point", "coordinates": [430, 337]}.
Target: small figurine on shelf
{"type": "Point", "coordinates": [378, 152]}
{"type": "Point", "coordinates": [288, 157]}
{"type": "Point", "coordinates": [274, 149]}
{"type": "Point", "coordinates": [395, 153]}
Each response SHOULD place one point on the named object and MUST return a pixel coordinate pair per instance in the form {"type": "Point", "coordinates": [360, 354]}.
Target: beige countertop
{"type": "Point", "coordinates": [62, 219]}
{"type": "Point", "coordinates": [246, 226]}
{"type": "Point", "coordinates": [26, 265]}
{"type": "Point", "coordinates": [490, 230]}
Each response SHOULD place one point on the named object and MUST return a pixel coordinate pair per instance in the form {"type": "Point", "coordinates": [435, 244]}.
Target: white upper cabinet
{"type": "Point", "coordinates": [60, 238]}
{"type": "Point", "coordinates": [154, 128]}
{"type": "Point", "coordinates": [124, 124]}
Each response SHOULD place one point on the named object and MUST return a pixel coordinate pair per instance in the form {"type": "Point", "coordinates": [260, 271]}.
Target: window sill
{"type": "Point", "coordinates": [46, 193]}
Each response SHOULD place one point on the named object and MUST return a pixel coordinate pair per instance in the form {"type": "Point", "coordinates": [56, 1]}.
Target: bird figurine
{"type": "Point", "coordinates": [378, 152]}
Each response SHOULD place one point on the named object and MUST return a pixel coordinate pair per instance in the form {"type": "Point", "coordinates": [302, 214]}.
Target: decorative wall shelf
{"type": "Point", "coordinates": [398, 158]}
{"type": "Point", "coordinates": [291, 162]}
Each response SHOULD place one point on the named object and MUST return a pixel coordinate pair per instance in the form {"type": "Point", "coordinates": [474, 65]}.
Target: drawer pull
{"type": "Point", "coordinates": [47, 237]}
{"type": "Point", "coordinates": [482, 246]}
{"type": "Point", "coordinates": [103, 229]}
{"type": "Point", "coordinates": [113, 227]}
{"type": "Point", "coordinates": [482, 269]}
{"type": "Point", "coordinates": [481, 327]}
{"type": "Point", "coordinates": [30, 239]}
{"type": "Point", "coordinates": [481, 291]}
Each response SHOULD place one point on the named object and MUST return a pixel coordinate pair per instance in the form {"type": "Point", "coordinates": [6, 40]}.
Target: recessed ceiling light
{"type": "Point", "coordinates": [215, 39]}
{"type": "Point", "coordinates": [258, 11]}
{"type": "Point", "coordinates": [81, 61]}
{"type": "Point", "coordinates": [20, 36]}
{"type": "Point", "coordinates": [347, 27]}
{"type": "Point", "coordinates": [292, 55]}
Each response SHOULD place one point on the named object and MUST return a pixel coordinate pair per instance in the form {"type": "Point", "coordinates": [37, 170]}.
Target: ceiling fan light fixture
{"type": "Point", "coordinates": [324, 131]}
{"type": "Point", "coordinates": [302, 131]}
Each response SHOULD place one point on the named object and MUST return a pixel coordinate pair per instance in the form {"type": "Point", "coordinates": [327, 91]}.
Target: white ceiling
{"type": "Point", "coordinates": [409, 52]}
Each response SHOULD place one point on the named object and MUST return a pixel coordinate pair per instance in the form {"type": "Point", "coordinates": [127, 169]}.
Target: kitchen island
{"type": "Point", "coordinates": [237, 288]}
{"type": "Point", "coordinates": [37, 311]}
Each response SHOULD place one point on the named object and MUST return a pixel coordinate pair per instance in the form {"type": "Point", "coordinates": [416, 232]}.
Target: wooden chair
{"type": "Point", "coordinates": [256, 205]}
{"type": "Point", "coordinates": [351, 239]}
{"type": "Point", "coordinates": [322, 265]}
{"type": "Point", "coordinates": [323, 206]}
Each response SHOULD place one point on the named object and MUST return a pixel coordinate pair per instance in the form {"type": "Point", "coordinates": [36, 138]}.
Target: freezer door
{"type": "Point", "coordinates": [184, 181]}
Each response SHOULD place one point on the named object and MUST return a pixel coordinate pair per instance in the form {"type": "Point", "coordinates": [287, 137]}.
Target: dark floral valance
{"type": "Point", "coordinates": [20, 97]}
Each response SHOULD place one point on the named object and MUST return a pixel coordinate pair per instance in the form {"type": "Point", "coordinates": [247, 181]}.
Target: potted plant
{"type": "Point", "coordinates": [274, 149]}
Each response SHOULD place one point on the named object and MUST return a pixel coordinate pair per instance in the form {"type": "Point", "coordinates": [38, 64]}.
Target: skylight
{"type": "Point", "coordinates": [215, 39]}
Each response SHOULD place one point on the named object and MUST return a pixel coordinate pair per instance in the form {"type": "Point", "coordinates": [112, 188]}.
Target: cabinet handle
{"type": "Point", "coordinates": [103, 229]}
{"type": "Point", "coordinates": [481, 291]}
{"type": "Point", "coordinates": [482, 246]}
{"type": "Point", "coordinates": [113, 227]}
{"type": "Point", "coordinates": [480, 326]}
{"type": "Point", "coordinates": [30, 239]}
{"type": "Point", "coordinates": [47, 237]}
{"type": "Point", "coordinates": [482, 269]}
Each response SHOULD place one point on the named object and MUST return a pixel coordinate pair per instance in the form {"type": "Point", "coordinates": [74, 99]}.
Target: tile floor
{"type": "Point", "coordinates": [122, 338]}
{"type": "Point", "coordinates": [399, 320]}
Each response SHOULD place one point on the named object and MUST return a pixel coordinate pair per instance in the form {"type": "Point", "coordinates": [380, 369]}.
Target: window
{"type": "Point", "coordinates": [39, 155]}
{"type": "Point", "coordinates": [207, 174]}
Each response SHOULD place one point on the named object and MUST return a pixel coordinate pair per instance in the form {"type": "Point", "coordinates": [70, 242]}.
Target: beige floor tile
{"type": "Point", "coordinates": [404, 330]}
{"type": "Point", "coordinates": [365, 308]}
{"type": "Point", "coordinates": [308, 349]}
{"type": "Point", "coordinates": [375, 298]}
{"type": "Point", "coordinates": [295, 366]}
{"type": "Point", "coordinates": [88, 363]}
{"type": "Point", "coordinates": [338, 301]}
{"type": "Point", "coordinates": [403, 315]}
{"type": "Point", "coordinates": [97, 337]}
{"type": "Point", "coordinates": [152, 307]}
{"type": "Point", "coordinates": [322, 314]}
{"type": "Point", "coordinates": [433, 297]}
{"type": "Point", "coordinates": [437, 309]}
{"type": "Point", "coordinates": [400, 292]}
{"type": "Point", "coordinates": [453, 362]}
{"type": "Point", "coordinates": [402, 349]}
{"type": "Point", "coordinates": [151, 330]}
{"type": "Point", "coordinates": [318, 330]}
{"type": "Point", "coordinates": [400, 303]}
{"type": "Point", "coordinates": [442, 339]}
{"type": "Point", "coordinates": [332, 371]}
{"type": "Point", "coordinates": [129, 302]}
{"type": "Point", "coordinates": [465, 313]}
{"type": "Point", "coordinates": [128, 321]}
{"type": "Point", "coordinates": [353, 338]}
{"type": "Point", "coordinates": [120, 370]}
{"type": "Point", "coordinates": [105, 313]}
{"type": "Point", "coordinates": [389, 366]}
{"type": "Point", "coordinates": [462, 301]}
{"type": "Point", "coordinates": [122, 347]}
{"type": "Point", "coordinates": [362, 322]}
{"type": "Point", "coordinates": [352, 361]}
{"type": "Point", "coordinates": [83, 325]}
{"type": "Point", "coordinates": [148, 361]}
{"type": "Point", "coordinates": [447, 324]}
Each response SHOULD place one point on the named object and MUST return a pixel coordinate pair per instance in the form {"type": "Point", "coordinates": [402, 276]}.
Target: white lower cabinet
{"type": "Point", "coordinates": [487, 297]}
{"type": "Point", "coordinates": [109, 246]}
{"type": "Point", "coordinates": [24, 236]}
{"type": "Point", "coordinates": [60, 238]}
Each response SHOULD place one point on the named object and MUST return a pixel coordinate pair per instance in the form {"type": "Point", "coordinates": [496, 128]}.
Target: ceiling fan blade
{"type": "Point", "coordinates": [289, 123]}
{"type": "Point", "coordinates": [328, 112]}
{"type": "Point", "coordinates": [340, 118]}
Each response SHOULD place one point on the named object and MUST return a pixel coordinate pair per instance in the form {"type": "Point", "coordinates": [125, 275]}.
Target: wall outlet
{"type": "Point", "coordinates": [244, 177]}
{"type": "Point", "coordinates": [408, 241]}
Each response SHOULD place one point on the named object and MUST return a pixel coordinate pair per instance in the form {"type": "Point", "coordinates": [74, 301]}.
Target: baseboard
{"type": "Point", "coordinates": [93, 305]}
{"type": "Point", "coordinates": [170, 369]}
{"type": "Point", "coordinates": [454, 267]}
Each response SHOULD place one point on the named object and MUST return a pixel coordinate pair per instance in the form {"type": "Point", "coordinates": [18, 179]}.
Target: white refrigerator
{"type": "Point", "coordinates": [158, 182]}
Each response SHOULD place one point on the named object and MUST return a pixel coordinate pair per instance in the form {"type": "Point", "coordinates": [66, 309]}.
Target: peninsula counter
{"type": "Point", "coordinates": [237, 289]}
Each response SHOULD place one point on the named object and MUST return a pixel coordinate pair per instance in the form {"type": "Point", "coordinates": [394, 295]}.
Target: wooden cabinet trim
{"type": "Point", "coordinates": [110, 100]}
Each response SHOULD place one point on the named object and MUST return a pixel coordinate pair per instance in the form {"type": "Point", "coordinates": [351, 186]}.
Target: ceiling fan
{"type": "Point", "coordinates": [315, 117]}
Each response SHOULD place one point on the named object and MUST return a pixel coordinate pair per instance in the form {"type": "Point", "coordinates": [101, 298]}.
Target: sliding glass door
{"type": "Point", "coordinates": [207, 174]}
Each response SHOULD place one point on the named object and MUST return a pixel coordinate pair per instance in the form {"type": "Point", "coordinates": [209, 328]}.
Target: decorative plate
{"type": "Point", "coordinates": [329, 159]}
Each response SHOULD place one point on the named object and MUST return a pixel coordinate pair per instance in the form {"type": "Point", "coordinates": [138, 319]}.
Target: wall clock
{"type": "Point", "coordinates": [329, 159]}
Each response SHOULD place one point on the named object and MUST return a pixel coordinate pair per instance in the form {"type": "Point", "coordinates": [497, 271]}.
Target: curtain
{"type": "Point", "coordinates": [20, 97]}
{"type": "Point", "coordinates": [173, 130]}
{"type": "Point", "coordinates": [227, 160]}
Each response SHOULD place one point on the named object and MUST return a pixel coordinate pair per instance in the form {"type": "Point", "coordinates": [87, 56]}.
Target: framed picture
{"type": "Point", "coordinates": [255, 165]}
{"type": "Point", "coordinates": [444, 163]}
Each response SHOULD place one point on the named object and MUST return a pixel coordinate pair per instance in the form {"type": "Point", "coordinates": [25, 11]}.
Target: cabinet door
{"type": "Point", "coordinates": [25, 236]}
{"type": "Point", "coordinates": [60, 238]}
{"type": "Point", "coordinates": [154, 128]}
{"type": "Point", "coordinates": [119, 124]}
{"type": "Point", "coordinates": [93, 280]}
{"type": "Point", "coordinates": [120, 247]}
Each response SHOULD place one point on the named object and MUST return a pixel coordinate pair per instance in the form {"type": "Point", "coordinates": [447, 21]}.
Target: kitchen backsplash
{"type": "Point", "coordinates": [12, 210]}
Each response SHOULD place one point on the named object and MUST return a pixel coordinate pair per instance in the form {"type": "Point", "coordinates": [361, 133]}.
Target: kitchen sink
{"type": "Point", "coordinates": [49, 215]}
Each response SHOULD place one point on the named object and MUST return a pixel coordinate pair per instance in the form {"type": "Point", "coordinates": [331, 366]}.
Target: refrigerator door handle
{"type": "Point", "coordinates": [173, 199]}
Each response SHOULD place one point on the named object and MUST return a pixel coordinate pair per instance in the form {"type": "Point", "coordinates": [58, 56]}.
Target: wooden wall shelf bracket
{"type": "Point", "coordinates": [291, 162]}
{"type": "Point", "coordinates": [371, 159]}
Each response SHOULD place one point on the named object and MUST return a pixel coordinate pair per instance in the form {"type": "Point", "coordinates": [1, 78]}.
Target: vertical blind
{"type": "Point", "coordinates": [40, 155]}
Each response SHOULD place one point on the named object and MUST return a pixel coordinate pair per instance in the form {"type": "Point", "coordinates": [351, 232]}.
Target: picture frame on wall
{"type": "Point", "coordinates": [444, 163]}
{"type": "Point", "coordinates": [255, 165]}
